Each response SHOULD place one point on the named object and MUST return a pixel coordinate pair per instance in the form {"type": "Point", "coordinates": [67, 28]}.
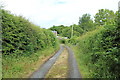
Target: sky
{"type": "Point", "coordinates": [46, 13]}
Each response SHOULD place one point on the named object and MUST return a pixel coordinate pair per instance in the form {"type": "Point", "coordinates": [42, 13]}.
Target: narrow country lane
{"type": "Point", "coordinates": [62, 65]}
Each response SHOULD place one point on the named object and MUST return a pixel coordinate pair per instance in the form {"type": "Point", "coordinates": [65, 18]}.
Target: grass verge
{"type": "Point", "coordinates": [23, 66]}
{"type": "Point", "coordinates": [83, 68]}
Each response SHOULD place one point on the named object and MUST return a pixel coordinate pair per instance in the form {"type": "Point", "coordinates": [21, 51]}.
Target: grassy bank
{"type": "Point", "coordinates": [83, 68]}
{"type": "Point", "coordinates": [23, 66]}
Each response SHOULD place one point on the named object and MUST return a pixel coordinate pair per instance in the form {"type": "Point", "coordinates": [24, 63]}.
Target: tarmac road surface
{"type": "Point", "coordinates": [73, 71]}
{"type": "Point", "coordinates": [73, 67]}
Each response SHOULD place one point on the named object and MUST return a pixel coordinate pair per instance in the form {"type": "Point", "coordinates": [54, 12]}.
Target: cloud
{"type": "Point", "coordinates": [47, 13]}
{"type": "Point", "coordinates": [60, 2]}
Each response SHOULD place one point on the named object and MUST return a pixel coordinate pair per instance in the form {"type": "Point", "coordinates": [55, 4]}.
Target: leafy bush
{"type": "Point", "coordinates": [99, 49]}
{"type": "Point", "coordinates": [23, 45]}
{"type": "Point", "coordinates": [73, 40]}
{"type": "Point", "coordinates": [20, 36]}
{"type": "Point", "coordinates": [102, 52]}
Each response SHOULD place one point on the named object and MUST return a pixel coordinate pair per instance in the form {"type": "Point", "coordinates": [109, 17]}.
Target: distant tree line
{"type": "Point", "coordinates": [85, 23]}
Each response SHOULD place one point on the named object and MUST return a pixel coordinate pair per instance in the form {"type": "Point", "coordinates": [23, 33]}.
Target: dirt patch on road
{"type": "Point", "coordinates": [60, 68]}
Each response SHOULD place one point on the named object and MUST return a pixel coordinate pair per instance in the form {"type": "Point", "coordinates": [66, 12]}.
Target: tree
{"type": "Point", "coordinates": [59, 29]}
{"type": "Point", "coordinates": [77, 29]}
{"type": "Point", "coordinates": [85, 22]}
{"type": "Point", "coordinates": [104, 16]}
{"type": "Point", "coordinates": [66, 32]}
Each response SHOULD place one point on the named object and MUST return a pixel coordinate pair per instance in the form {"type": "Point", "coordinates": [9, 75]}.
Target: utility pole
{"type": "Point", "coordinates": [72, 32]}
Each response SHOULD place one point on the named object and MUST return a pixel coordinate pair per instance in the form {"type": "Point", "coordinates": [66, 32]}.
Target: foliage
{"type": "Point", "coordinates": [65, 31]}
{"type": "Point", "coordinates": [77, 30]}
{"type": "Point", "coordinates": [86, 23]}
{"type": "Point", "coordinates": [22, 37]}
{"type": "Point", "coordinates": [99, 49]}
{"type": "Point", "coordinates": [73, 40]}
{"type": "Point", "coordinates": [104, 16]}
{"type": "Point", "coordinates": [59, 29]}
{"type": "Point", "coordinates": [23, 44]}
{"type": "Point", "coordinates": [97, 43]}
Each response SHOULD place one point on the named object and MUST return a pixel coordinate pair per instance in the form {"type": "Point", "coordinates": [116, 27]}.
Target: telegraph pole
{"type": "Point", "coordinates": [72, 32]}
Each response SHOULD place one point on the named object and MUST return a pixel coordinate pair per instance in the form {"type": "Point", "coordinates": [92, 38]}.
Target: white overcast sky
{"type": "Point", "coordinates": [46, 13]}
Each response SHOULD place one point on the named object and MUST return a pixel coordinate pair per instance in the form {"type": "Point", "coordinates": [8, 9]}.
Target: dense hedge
{"type": "Point", "coordinates": [100, 51]}
{"type": "Point", "coordinates": [19, 36]}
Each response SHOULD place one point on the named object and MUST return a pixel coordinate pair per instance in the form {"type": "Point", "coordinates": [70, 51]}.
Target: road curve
{"type": "Point", "coordinates": [42, 71]}
{"type": "Point", "coordinates": [73, 67]}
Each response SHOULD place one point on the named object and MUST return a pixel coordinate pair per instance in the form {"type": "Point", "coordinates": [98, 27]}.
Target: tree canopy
{"type": "Point", "coordinates": [104, 16]}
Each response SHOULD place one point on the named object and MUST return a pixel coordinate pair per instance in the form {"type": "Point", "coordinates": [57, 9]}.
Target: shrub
{"type": "Point", "coordinates": [20, 36]}
{"type": "Point", "coordinates": [102, 52]}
